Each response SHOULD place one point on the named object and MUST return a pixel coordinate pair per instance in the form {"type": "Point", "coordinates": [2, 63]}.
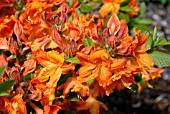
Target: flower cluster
{"type": "Point", "coordinates": [52, 50]}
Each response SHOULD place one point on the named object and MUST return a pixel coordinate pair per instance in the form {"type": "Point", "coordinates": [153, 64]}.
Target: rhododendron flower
{"type": "Point", "coordinates": [73, 85]}
{"type": "Point", "coordinates": [94, 66]}
{"type": "Point", "coordinates": [91, 104]}
{"type": "Point", "coordinates": [133, 4]}
{"type": "Point", "coordinates": [50, 52]}
{"type": "Point", "coordinates": [110, 6]}
{"type": "Point", "coordinates": [16, 105]}
{"type": "Point", "coordinates": [29, 65]}
{"type": "Point", "coordinates": [6, 26]}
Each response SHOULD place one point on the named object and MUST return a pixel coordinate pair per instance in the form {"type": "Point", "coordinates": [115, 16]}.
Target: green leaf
{"type": "Point", "coordinates": [142, 9]}
{"type": "Point", "coordinates": [149, 42]}
{"type": "Point", "coordinates": [142, 27]}
{"type": "Point", "coordinates": [90, 82]}
{"type": "Point", "coordinates": [63, 78]}
{"type": "Point", "coordinates": [138, 78]}
{"type": "Point", "coordinates": [161, 42]}
{"type": "Point", "coordinates": [27, 77]}
{"type": "Point", "coordinates": [88, 41]}
{"type": "Point", "coordinates": [144, 21]}
{"type": "Point", "coordinates": [73, 96]}
{"type": "Point", "coordinates": [70, 112]}
{"type": "Point", "coordinates": [4, 93]}
{"type": "Point", "coordinates": [164, 1]}
{"type": "Point", "coordinates": [2, 69]}
{"type": "Point", "coordinates": [142, 82]}
{"type": "Point", "coordinates": [73, 60]}
{"type": "Point", "coordinates": [54, 8]}
{"type": "Point", "coordinates": [70, 2]}
{"type": "Point", "coordinates": [93, 5]}
{"type": "Point", "coordinates": [155, 33]}
{"type": "Point", "coordinates": [58, 93]}
{"type": "Point", "coordinates": [70, 18]}
{"type": "Point", "coordinates": [4, 86]}
{"type": "Point", "coordinates": [85, 8]}
{"type": "Point", "coordinates": [78, 11]}
{"type": "Point", "coordinates": [126, 8]}
{"type": "Point", "coordinates": [124, 16]}
{"type": "Point", "coordinates": [125, 2]}
{"type": "Point", "coordinates": [160, 58]}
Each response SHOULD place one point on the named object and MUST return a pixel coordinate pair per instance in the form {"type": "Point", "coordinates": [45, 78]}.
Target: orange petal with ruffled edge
{"type": "Point", "coordinates": [91, 104]}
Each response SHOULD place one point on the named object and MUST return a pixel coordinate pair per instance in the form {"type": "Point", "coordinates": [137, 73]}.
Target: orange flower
{"type": "Point", "coordinates": [95, 66]}
{"type": "Point", "coordinates": [32, 22]}
{"type": "Point", "coordinates": [6, 26]}
{"type": "Point", "coordinates": [73, 85]}
{"type": "Point", "coordinates": [133, 4]}
{"type": "Point", "coordinates": [4, 44]}
{"type": "Point", "coordinates": [79, 27]}
{"type": "Point", "coordinates": [153, 74]}
{"type": "Point", "coordinates": [29, 65]}
{"type": "Point", "coordinates": [91, 104]}
{"type": "Point", "coordinates": [16, 105]}
{"type": "Point", "coordinates": [110, 6]}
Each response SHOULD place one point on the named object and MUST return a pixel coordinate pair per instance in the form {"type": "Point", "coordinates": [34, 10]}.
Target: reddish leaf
{"type": "Point", "coordinates": [57, 38]}
{"type": "Point", "coordinates": [18, 30]}
{"type": "Point", "coordinates": [113, 24]}
{"type": "Point", "coordinates": [123, 30]}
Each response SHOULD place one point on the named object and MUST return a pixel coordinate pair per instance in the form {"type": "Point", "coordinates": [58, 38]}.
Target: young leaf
{"type": "Point", "coordinates": [88, 41]}
{"type": "Point", "coordinates": [2, 69]}
{"type": "Point", "coordinates": [63, 78]}
{"type": "Point", "coordinates": [155, 33]}
{"type": "Point", "coordinates": [160, 58]}
{"type": "Point", "coordinates": [93, 5]}
{"type": "Point", "coordinates": [142, 9]}
{"type": "Point", "coordinates": [78, 11]}
{"type": "Point", "coordinates": [142, 27]}
{"type": "Point", "coordinates": [85, 8]}
{"type": "Point", "coordinates": [126, 8]}
{"type": "Point", "coordinates": [125, 2]}
{"type": "Point", "coordinates": [73, 60]}
{"type": "Point", "coordinates": [90, 82]}
{"type": "Point", "coordinates": [4, 93]}
{"type": "Point", "coordinates": [149, 42]}
{"type": "Point", "coordinates": [161, 42]}
{"type": "Point", "coordinates": [73, 96]}
{"type": "Point", "coordinates": [124, 16]}
{"type": "Point", "coordinates": [4, 86]}
{"type": "Point", "coordinates": [70, 2]}
{"type": "Point", "coordinates": [144, 21]}
{"type": "Point", "coordinates": [27, 77]}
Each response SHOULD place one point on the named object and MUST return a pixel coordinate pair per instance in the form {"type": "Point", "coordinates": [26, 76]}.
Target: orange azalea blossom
{"type": "Point", "coordinates": [3, 99]}
{"type": "Point", "coordinates": [6, 26]}
{"type": "Point", "coordinates": [29, 65]}
{"type": "Point", "coordinates": [133, 4]}
{"type": "Point", "coordinates": [52, 62]}
{"type": "Point", "coordinates": [95, 65]}
{"type": "Point", "coordinates": [99, 67]}
{"type": "Point", "coordinates": [137, 49]}
{"type": "Point", "coordinates": [90, 104]}
{"type": "Point", "coordinates": [16, 105]}
{"type": "Point", "coordinates": [4, 44]}
{"type": "Point", "coordinates": [75, 86]}
{"type": "Point", "coordinates": [50, 74]}
{"type": "Point", "coordinates": [123, 77]}
{"type": "Point", "coordinates": [79, 27]}
{"type": "Point", "coordinates": [110, 6]}
{"type": "Point", "coordinates": [32, 21]}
